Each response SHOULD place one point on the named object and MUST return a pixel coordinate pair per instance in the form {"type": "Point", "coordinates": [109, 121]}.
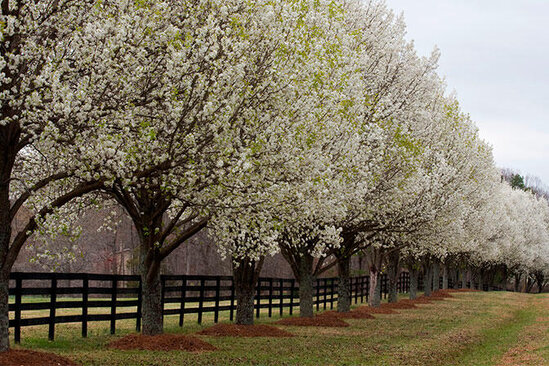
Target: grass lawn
{"type": "Point", "coordinates": [497, 328]}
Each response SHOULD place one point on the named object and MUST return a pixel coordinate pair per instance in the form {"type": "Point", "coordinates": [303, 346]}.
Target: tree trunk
{"type": "Point", "coordinates": [5, 237]}
{"type": "Point", "coordinates": [445, 271]}
{"type": "Point", "coordinates": [463, 279]}
{"type": "Point", "coordinates": [343, 288]}
{"type": "Point", "coordinates": [480, 281]}
{"type": "Point", "coordinates": [427, 279]}
{"type": "Point", "coordinates": [375, 259]}
{"type": "Point", "coordinates": [151, 304]}
{"type": "Point", "coordinates": [392, 276]}
{"type": "Point", "coordinates": [414, 277]}
{"type": "Point", "coordinates": [4, 320]}
{"type": "Point", "coordinates": [471, 279]}
{"type": "Point", "coordinates": [517, 281]}
{"type": "Point", "coordinates": [245, 277]}
{"type": "Point", "coordinates": [456, 278]}
{"type": "Point", "coordinates": [374, 298]}
{"type": "Point", "coordinates": [436, 276]}
{"type": "Point", "coordinates": [540, 280]}
{"type": "Point", "coordinates": [306, 284]}
{"type": "Point", "coordinates": [529, 284]}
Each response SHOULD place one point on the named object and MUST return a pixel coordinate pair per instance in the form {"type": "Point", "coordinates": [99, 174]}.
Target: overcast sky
{"type": "Point", "coordinates": [495, 55]}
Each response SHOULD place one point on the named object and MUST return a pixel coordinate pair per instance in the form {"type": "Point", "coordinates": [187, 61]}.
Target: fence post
{"type": "Point", "coordinates": [139, 305]}
{"type": "Point", "coordinates": [201, 301]}
{"type": "Point", "coordinates": [113, 304]}
{"type": "Point", "coordinates": [217, 286]}
{"type": "Point", "coordinates": [18, 290]}
{"type": "Point", "coordinates": [182, 300]}
{"type": "Point", "coordinates": [53, 299]}
{"type": "Point", "coordinates": [281, 296]}
{"type": "Point", "coordinates": [85, 292]}
{"type": "Point", "coordinates": [231, 312]}
{"type": "Point", "coordinates": [292, 288]}
{"type": "Point", "coordinates": [358, 288]}
{"type": "Point", "coordinates": [258, 295]}
{"type": "Point", "coordinates": [270, 297]}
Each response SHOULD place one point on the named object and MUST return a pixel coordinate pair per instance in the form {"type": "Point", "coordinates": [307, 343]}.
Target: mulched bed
{"type": "Point", "coordinates": [402, 304]}
{"type": "Point", "coordinates": [22, 357]}
{"type": "Point", "coordinates": [441, 294]}
{"type": "Point", "coordinates": [161, 342]}
{"type": "Point", "coordinates": [349, 315]}
{"type": "Point", "coordinates": [383, 309]}
{"type": "Point", "coordinates": [236, 330]}
{"type": "Point", "coordinates": [422, 300]}
{"type": "Point", "coordinates": [317, 321]}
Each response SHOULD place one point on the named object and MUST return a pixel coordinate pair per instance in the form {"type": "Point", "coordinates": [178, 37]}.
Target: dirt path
{"type": "Point", "coordinates": [532, 345]}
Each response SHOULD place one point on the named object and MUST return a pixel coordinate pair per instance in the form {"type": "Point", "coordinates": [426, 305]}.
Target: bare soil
{"type": "Point", "coordinates": [317, 321]}
{"type": "Point", "coordinates": [161, 342]}
{"type": "Point", "coordinates": [235, 330]}
{"type": "Point", "coordinates": [21, 357]}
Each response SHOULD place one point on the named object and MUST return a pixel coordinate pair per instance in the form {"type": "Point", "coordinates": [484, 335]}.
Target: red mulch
{"type": "Point", "coordinates": [441, 294]}
{"type": "Point", "coordinates": [348, 315]}
{"type": "Point", "coordinates": [161, 342]}
{"type": "Point", "coordinates": [402, 304]}
{"type": "Point", "coordinates": [21, 357]}
{"type": "Point", "coordinates": [383, 309]}
{"type": "Point", "coordinates": [236, 330]}
{"type": "Point", "coordinates": [317, 321]}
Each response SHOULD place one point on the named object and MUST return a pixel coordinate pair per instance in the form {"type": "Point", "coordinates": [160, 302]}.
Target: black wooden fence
{"type": "Point", "coordinates": [119, 297]}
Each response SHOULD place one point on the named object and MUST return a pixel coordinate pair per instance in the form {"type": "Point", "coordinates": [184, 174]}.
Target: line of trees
{"type": "Point", "coordinates": [306, 127]}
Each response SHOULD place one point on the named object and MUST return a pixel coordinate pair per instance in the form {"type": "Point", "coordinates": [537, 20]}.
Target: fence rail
{"type": "Point", "coordinates": [119, 297]}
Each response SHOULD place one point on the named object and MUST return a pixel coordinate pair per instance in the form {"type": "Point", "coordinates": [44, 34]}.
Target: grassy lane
{"type": "Point", "coordinates": [470, 329]}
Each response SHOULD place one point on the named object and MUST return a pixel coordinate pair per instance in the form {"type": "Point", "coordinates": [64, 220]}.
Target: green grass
{"type": "Point", "coordinates": [469, 329]}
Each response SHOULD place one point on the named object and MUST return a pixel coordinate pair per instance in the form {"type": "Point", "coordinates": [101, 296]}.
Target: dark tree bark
{"type": "Point", "coordinates": [374, 257]}
{"type": "Point", "coordinates": [540, 280]}
{"type": "Point", "coordinates": [393, 269]}
{"type": "Point", "coordinates": [455, 273]}
{"type": "Point", "coordinates": [343, 288]}
{"type": "Point", "coordinates": [149, 269]}
{"type": "Point", "coordinates": [463, 279]}
{"type": "Point", "coordinates": [152, 301]}
{"type": "Point", "coordinates": [245, 277]}
{"type": "Point", "coordinates": [518, 275]}
{"type": "Point", "coordinates": [445, 273]}
{"type": "Point", "coordinates": [529, 283]}
{"type": "Point", "coordinates": [306, 284]}
{"type": "Point", "coordinates": [414, 280]}
{"type": "Point", "coordinates": [4, 320]}
{"type": "Point", "coordinates": [374, 298]}
{"type": "Point", "coordinates": [471, 279]}
{"type": "Point", "coordinates": [436, 275]}
{"type": "Point", "coordinates": [427, 279]}
{"type": "Point", "coordinates": [481, 280]}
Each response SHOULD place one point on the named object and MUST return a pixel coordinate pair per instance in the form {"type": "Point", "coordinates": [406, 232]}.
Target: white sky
{"type": "Point", "coordinates": [495, 55]}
